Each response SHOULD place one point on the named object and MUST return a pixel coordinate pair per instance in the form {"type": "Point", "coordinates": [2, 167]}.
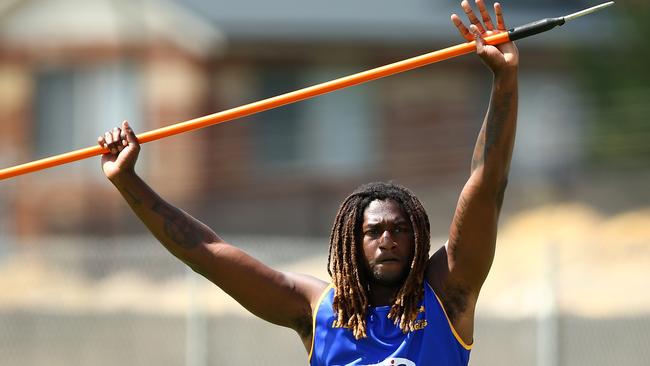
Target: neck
{"type": "Point", "coordinates": [382, 295]}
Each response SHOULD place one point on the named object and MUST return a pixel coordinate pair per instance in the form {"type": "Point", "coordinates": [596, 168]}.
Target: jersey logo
{"type": "Point", "coordinates": [395, 362]}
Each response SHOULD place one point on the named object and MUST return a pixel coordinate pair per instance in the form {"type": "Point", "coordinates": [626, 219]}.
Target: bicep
{"type": "Point", "coordinates": [472, 235]}
{"type": "Point", "coordinates": [278, 297]}
{"type": "Point", "coordinates": [458, 269]}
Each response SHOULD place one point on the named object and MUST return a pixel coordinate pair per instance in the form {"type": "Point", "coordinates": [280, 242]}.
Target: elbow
{"type": "Point", "coordinates": [489, 180]}
{"type": "Point", "coordinates": [489, 186]}
{"type": "Point", "coordinates": [204, 254]}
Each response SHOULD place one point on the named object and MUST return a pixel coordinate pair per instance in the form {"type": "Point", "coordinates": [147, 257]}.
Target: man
{"type": "Point", "coordinates": [388, 303]}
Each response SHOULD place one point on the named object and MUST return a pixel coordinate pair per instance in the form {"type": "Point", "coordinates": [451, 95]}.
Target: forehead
{"type": "Point", "coordinates": [384, 210]}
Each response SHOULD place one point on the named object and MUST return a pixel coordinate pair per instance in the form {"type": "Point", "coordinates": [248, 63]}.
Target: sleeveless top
{"type": "Point", "coordinates": [433, 343]}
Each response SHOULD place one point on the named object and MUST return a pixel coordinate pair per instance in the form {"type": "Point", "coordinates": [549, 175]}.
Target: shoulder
{"type": "Point", "coordinates": [308, 286]}
{"type": "Point", "coordinates": [457, 298]}
{"type": "Point", "coordinates": [311, 289]}
{"type": "Point", "coordinates": [437, 269]}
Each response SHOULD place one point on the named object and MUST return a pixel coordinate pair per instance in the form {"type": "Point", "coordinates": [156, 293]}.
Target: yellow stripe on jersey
{"type": "Point", "coordinates": [451, 326]}
{"type": "Point", "coordinates": [313, 316]}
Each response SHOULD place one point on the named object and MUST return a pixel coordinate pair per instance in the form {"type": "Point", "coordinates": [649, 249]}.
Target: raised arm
{"type": "Point", "coordinates": [278, 297]}
{"type": "Point", "coordinates": [459, 269]}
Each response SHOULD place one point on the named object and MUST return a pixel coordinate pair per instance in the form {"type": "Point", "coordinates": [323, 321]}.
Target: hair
{"type": "Point", "coordinates": [350, 287]}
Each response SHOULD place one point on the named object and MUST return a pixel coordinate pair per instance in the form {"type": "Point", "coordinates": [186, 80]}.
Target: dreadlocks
{"type": "Point", "coordinates": [351, 297]}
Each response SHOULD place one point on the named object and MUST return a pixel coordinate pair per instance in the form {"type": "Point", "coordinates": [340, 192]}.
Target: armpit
{"type": "Point", "coordinates": [455, 299]}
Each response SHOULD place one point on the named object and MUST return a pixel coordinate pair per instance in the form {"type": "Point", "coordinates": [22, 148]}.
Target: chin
{"type": "Point", "coordinates": [389, 278]}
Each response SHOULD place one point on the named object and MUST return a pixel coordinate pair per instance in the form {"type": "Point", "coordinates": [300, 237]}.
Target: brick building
{"type": "Point", "coordinates": [70, 69]}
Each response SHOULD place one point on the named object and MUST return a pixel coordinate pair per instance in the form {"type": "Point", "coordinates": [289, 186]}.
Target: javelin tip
{"type": "Point", "coordinates": [588, 11]}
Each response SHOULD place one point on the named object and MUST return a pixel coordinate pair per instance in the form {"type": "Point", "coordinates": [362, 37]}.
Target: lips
{"type": "Point", "coordinates": [387, 259]}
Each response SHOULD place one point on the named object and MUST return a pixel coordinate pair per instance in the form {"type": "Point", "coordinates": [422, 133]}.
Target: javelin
{"type": "Point", "coordinates": [513, 34]}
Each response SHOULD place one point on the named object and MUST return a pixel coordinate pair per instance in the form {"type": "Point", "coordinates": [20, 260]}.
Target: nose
{"type": "Point", "coordinates": [386, 240]}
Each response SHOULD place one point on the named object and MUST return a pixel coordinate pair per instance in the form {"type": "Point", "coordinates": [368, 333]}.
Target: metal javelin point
{"type": "Point", "coordinates": [588, 11]}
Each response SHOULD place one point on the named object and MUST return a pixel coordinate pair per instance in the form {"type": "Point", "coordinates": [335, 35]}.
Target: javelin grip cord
{"type": "Point", "coordinates": [533, 28]}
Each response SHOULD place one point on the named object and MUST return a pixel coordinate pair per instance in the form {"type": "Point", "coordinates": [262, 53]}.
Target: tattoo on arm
{"type": "Point", "coordinates": [496, 119]}
{"type": "Point", "coordinates": [130, 197]}
{"type": "Point", "coordinates": [479, 151]}
{"type": "Point", "coordinates": [458, 224]}
{"type": "Point", "coordinates": [491, 131]}
{"type": "Point", "coordinates": [178, 226]}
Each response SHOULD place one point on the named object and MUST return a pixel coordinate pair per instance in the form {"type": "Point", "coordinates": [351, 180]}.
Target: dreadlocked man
{"type": "Point", "coordinates": [388, 302]}
{"type": "Point", "coordinates": [344, 257]}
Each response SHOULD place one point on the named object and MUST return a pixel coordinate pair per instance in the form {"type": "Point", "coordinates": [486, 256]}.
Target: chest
{"type": "Point", "coordinates": [385, 343]}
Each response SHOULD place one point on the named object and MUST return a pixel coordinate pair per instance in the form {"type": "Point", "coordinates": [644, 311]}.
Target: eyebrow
{"type": "Point", "coordinates": [377, 223]}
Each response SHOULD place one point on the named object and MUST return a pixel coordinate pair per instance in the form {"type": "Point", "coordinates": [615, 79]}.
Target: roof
{"type": "Point", "coordinates": [87, 22]}
{"type": "Point", "coordinates": [412, 21]}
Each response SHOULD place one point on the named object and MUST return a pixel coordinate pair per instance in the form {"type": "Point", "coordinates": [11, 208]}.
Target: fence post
{"type": "Point", "coordinates": [548, 330]}
{"type": "Point", "coordinates": [196, 334]}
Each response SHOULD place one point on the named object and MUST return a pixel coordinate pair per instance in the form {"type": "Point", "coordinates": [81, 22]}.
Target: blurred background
{"type": "Point", "coordinates": [83, 283]}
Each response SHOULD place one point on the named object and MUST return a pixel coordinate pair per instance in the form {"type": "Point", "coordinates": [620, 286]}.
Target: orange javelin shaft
{"type": "Point", "coordinates": [263, 105]}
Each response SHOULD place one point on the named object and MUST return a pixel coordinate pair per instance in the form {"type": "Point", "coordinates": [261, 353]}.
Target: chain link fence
{"type": "Point", "coordinates": [126, 301]}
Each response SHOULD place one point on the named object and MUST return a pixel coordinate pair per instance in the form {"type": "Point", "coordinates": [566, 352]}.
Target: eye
{"type": "Point", "coordinates": [374, 231]}
{"type": "Point", "coordinates": [402, 229]}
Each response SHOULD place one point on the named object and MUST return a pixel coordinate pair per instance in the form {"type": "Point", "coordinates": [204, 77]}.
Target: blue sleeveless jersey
{"type": "Point", "coordinates": [434, 343]}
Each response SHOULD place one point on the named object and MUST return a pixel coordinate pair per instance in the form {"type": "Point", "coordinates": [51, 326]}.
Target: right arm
{"type": "Point", "coordinates": [281, 298]}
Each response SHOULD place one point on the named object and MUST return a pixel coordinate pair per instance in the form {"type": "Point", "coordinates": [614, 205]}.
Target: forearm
{"type": "Point", "coordinates": [493, 149]}
{"type": "Point", "coordinates": [180, 233]}
{"type": "Point", "coordinates": [472, 235]}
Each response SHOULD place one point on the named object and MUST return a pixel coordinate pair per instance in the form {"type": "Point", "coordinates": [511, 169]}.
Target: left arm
{"type": "Point", "coordinates": [472, 235]}
{"type": "Point", "coordinates": [458, 270]}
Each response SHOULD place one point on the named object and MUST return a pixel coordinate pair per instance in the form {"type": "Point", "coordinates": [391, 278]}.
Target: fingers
{"type": "Point", "coordinates": [102, 142]}
{"type": "Point", "coordinates": [485, 16]}
{"type": "Point", "coordinates": [123, 138]}
{"type": "Point", "coordinates": [501, 25]}
{"type": "Point", "coordinates": [129, 135]}
{"type": "Point", "coordinates": [471, 16]}
{"type": "Point", "coordinates": [461, 27]}
{"type": "Point", "coordinates": [485, 25]}
{"type": "Point", "coordinates": [480, 42]}
{"type": "Point", "coordinates": [109, 145]}
{"type": "Point", "coordinates": [112, 140]}
{"type": "Point", "coordinates": [118, 138]}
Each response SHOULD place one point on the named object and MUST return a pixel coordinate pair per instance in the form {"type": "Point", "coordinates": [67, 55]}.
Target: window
{"type": "Point", "coordinates": [329, 135]}
{"type": "Point", "coordinates": [75, 105]}
{"type": "Point", "coordinates": [277, 131]}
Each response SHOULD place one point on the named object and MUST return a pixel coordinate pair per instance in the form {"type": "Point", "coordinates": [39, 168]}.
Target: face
{"type": "Point", "coordinates": [388, 243]}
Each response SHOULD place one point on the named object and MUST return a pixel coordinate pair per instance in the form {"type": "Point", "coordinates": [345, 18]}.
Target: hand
{"type": "Point", "coordinates": [123, 149]}
{"type": "Point", "coordinates": [499, 58]}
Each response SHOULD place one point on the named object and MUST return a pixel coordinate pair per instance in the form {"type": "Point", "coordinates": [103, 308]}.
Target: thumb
{"type": "Point", "coordinates": [480, 42]}
{"type": "Point", "coordinates": [130, 135]}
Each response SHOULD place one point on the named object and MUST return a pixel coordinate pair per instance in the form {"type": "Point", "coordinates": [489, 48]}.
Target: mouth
{"type": "Point", "coordinates": [389, 260]}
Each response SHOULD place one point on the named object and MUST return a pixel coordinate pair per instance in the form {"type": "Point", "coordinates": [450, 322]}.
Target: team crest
{"type": "Point", "coordinates": [395, 362]}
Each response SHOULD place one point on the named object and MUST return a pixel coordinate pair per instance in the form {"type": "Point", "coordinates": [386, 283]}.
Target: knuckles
{"type": "Point", "coordinates": [115, 140]}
